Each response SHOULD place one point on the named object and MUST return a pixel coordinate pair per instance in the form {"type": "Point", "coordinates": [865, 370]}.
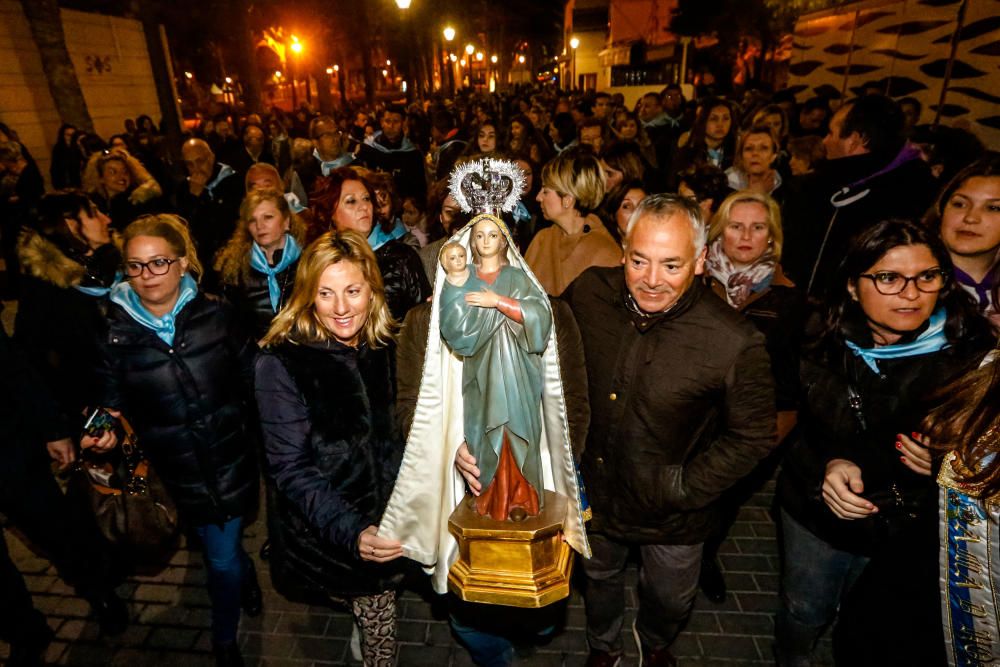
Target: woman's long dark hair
{"type": "Point", "coordinates": [697, 141]}
{"type": "Point", "coordinates": [843, 317]}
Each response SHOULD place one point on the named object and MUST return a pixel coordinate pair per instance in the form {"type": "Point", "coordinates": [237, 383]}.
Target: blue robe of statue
{"type": "Point", "coordinates": [501, 374]}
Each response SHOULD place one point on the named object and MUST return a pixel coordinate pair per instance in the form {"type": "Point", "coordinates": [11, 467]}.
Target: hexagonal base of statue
{"type": "Point", "coordinates": [515, 563]}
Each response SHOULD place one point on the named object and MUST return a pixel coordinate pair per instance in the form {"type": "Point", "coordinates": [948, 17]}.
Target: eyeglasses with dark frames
{"type": "Point", "coordinates": [890, 282]}
{"type": "Point", "coordinates": [156, 267]}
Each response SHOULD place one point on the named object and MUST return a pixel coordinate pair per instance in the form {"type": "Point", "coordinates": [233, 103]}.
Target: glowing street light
{"type": "Point", "coordinates": [388, 63]}
{"type": "Point", "coordinates": [470, 49]}
{"type": "Point", "coordinates": [462, 63]}
{"type": "Point", "coordinates": [480, 56]}
{"type": "Point", "coordinates": [329, 70]}
{"type": "Point", "coordinates": [493, 59]}
{"type": "Point", "coordinates": [403, 4]}
{"type": "Point", "coordinates": [449, 34]}
{"type": "Point", "coordinates": [452, 57]}
{"type": "Point", "coordinates": [277, 74]}
{"type": "Point", "coordinates": [520, 59]}
{"type": "Point", "coordinates": [296, 45]}
{"type": "Point", "coordinates": [385, 72]}
{"type": "Point", "coordinates": [188, 75]}
{"type": "Point", "coordinates": [574, 43]}
{"type": "Point", "coordinates": [336, 68]}
{"type": "Point", "coordinates": [229, 79]}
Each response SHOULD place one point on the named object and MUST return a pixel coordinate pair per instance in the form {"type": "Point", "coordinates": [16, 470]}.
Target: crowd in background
{"type": "Point", "coordinates": [859, 242]}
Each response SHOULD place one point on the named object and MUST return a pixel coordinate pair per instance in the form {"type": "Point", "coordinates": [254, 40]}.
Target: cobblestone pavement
{"type": "Point", "coordinates": [171, 616]}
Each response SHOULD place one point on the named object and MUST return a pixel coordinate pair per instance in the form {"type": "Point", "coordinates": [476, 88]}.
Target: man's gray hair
{"type": "Point", "coordinates": [10, 151]}
{"type": "Point", "coordinates": [668, 204]}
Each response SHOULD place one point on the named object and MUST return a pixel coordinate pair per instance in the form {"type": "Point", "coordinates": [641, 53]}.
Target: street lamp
{"type": "Point", "coordinates": [574, 43]}
{"type": "Point", "coordinates": [403, 4]}
{"type": "Point", "coordinates": [493, 59]}
{"type": "Point", "coordinates": [449, 34]}
{"type": "Point", "coordinates": [470, 49]}
{"type": "Point", "coordinates": [480, 56]}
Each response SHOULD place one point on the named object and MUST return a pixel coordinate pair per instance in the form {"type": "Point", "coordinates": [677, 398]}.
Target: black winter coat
{"type": "Point", "coordinates": [894, 401]}
{"type": "Point", "coordinates": [682, 408]}
{"type": "Point", "coordinates": [333, 452]}
{"type": "Point", "coordinates": [403, 275]}
{"type": "Point", "coordinates": [188, 404]}
{"type": "Point", "coordinates": [902, 192]}
{"type": "Point", "coordinates": [211, 216]}
{"type": "Point", "coordinates": [253, 299]}
{"type": "Point", "coordinates": [57, 325]}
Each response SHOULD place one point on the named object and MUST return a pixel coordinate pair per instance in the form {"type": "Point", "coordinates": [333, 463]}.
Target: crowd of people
{"type": "Point", "coordinates": [737, 287]}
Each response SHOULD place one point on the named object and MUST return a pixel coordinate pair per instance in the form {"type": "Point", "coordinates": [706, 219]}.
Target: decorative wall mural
{"type": "Point", "coordinates": [903, 48]}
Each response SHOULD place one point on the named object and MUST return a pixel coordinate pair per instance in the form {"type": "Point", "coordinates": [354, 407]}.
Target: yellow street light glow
{"type": "Point", "coordinates": [453, 57]}
{"type": "Point", "coordinates": [403, 4]}
{"type": "Point", "coordinates": [574, 43]}
{"type": "Point", "coordinates": [385, 72]}
{"type": "Point", "coordinates": [470, 49]}
{"type": "Point", "coordinates": [277, 74]}
{"type": "Point", "coordinates": [463, 62]}
{"type": "Point", "coordinates": [480, 55]}
{"type": "Point", "coordinates": [229, 79]}
{"type": "Point", "coordinates": [296, 47]}
{"type": "Point", "coordinates": [388, 63]}
{"type": "Point", "coordinates": [336, 68]}
{"type": "Point", "coordinates": [449, 33]}
{"type": "Point", "coordinates": [188, 75]}
{"type": "Point", "coordinates": [520, 59]}
{"type": "Point", "coordinates": [329, 70]}
{"type": "Point", "coordinates": [493, 59]}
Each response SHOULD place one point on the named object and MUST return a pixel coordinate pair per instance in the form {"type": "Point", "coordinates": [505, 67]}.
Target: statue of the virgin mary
{"type": "Point", "coordinates": [507, 403]}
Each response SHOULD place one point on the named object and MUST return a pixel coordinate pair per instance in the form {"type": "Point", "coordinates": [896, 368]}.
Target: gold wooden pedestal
{"type": "Point", "coordinates": [519, 564]}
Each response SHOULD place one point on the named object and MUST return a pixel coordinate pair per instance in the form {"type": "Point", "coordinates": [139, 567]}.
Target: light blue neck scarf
{"type": "Point", "coordinates": [258, 262]}
{"type": "Point", "coordinates": [225, 171]}
{"type": "Point", "coordinates": [377, 238]}
{"type": "Point", "coordinates": [326, 166]}
{"type": "Point", "coordinates": [521, 213]}
{"type": "Point", "coordinates": [931, 340]}
{"type": "Point", "coordinates": [163, 327]}
{"type": "Point", "coordinates": [99, 290]}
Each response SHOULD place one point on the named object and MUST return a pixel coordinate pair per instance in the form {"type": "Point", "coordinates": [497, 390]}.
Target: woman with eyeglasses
{"type": "Point", "coordinates": [174, 361]}
{"type": "Point", "coordinates": [855, 482]}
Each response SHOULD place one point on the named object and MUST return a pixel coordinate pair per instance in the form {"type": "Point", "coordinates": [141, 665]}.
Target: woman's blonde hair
{"type": "Point", "coordinates": [721, 217]}
{"type": "Point", "coordinates": [233, 261]}
{"type": "Point", "coordinates": [741, 142]}
{"type": "Point", "coordinates": [579, 174]}
{"type": "Point", "coordinates": [93, 173]}
{"type": "Point", "coordinates": [172, 229]}
{"type": "Point", "coordinates": [298, 323]}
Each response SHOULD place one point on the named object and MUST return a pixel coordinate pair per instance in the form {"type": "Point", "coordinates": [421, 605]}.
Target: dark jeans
{"type": "Point", "coordinates": [668, 582]}
{"type": "Point", "coordinates": [66, 535]}
{"type": "Point", "coordinates": [814, 578]}
{"type": "Point", "coordinates": [489, 632]}
{"type": "Point", "coordinates": [227, 565]}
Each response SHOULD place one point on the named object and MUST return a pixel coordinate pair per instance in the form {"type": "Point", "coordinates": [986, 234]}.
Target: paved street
{"type": "Point", "coordinates": [171, 616]}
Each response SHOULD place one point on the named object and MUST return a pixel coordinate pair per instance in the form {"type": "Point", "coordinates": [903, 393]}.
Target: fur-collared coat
{"type": "Point", "coordinates": [57, 324]}
{"type": "Point", "coordinates": [333, 450]}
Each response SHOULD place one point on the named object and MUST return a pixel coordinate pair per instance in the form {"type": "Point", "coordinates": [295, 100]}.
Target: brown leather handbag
{"type": "Point", "coordinates": [130, 503]}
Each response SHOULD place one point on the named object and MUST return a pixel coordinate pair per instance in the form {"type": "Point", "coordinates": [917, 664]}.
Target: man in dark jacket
{"type": "Point", "coordinates": [31, 500]}
{"type": "Point", "coordinates": [330, 152]}
{"type": "Point", "coordinates": [23, 187]}
{"type": "Point", "coordinates": [682, 407]}
{"type": "Point", "coordinates": [870, 174]}
{"type": "Point", "coordinates": [391, 151]}
{"type": "Point", "coordinates": [209, 198]}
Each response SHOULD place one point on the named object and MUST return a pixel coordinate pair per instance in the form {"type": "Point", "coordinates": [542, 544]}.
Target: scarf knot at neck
{"type": "Point", "coordinates": [739, 283]}
{"type": "Point", "coordinates": [258, 262]}
{"type": "Point", "coordinates": [163, 327]}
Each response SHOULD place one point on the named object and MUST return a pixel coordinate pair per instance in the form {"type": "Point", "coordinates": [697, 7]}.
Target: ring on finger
{"type": "Point", "coordinates": [373, 551]}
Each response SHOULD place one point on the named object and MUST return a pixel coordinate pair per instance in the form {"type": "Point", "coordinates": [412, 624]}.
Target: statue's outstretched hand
{"type": "Point", "coordinates": [466, 464]}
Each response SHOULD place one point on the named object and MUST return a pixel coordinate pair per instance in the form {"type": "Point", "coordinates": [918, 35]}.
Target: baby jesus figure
{"type": "Point", "coordinates": [498, 321]}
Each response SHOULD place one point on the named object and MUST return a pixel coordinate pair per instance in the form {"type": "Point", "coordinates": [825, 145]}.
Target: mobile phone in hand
{"type": "Point", "coordinates": [100, 422]}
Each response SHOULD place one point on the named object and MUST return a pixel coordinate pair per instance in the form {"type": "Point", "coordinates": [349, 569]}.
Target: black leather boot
{"type": "Point", "coordinates": [711, 581]}
{"type": "Point", "coordinates": [111, 613]}
{"type": "Point", "coordinates": [251, 597]}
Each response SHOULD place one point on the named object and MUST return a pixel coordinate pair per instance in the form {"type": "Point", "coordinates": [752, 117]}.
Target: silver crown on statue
{"type": "Point", "coordinates": [487, 186]}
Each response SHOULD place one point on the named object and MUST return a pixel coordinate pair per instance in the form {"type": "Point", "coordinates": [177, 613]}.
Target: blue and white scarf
{"type": "Point", "coordinates": [931, 340]}
{"type": "Point", "coordinates": [99, 290]}
{"type": "Point", "coordinates": [258, 262]}
{"type": "Point", "coordinates": [326, 166]}
{"type": "Point", "coordinates": [377, 238]}
{"type": "Point", "coordinates": [163, 327]}
{"type": "Point", "coordinates": [225, 171]}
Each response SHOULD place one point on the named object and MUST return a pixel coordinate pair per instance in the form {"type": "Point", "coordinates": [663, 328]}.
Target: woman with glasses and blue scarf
{"type": "Point", "coordinates": [855, 489]}
{"type": "Point", "coordinates": [176, 363]}
{"type": "Point", "coordinates": [257, 266]}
